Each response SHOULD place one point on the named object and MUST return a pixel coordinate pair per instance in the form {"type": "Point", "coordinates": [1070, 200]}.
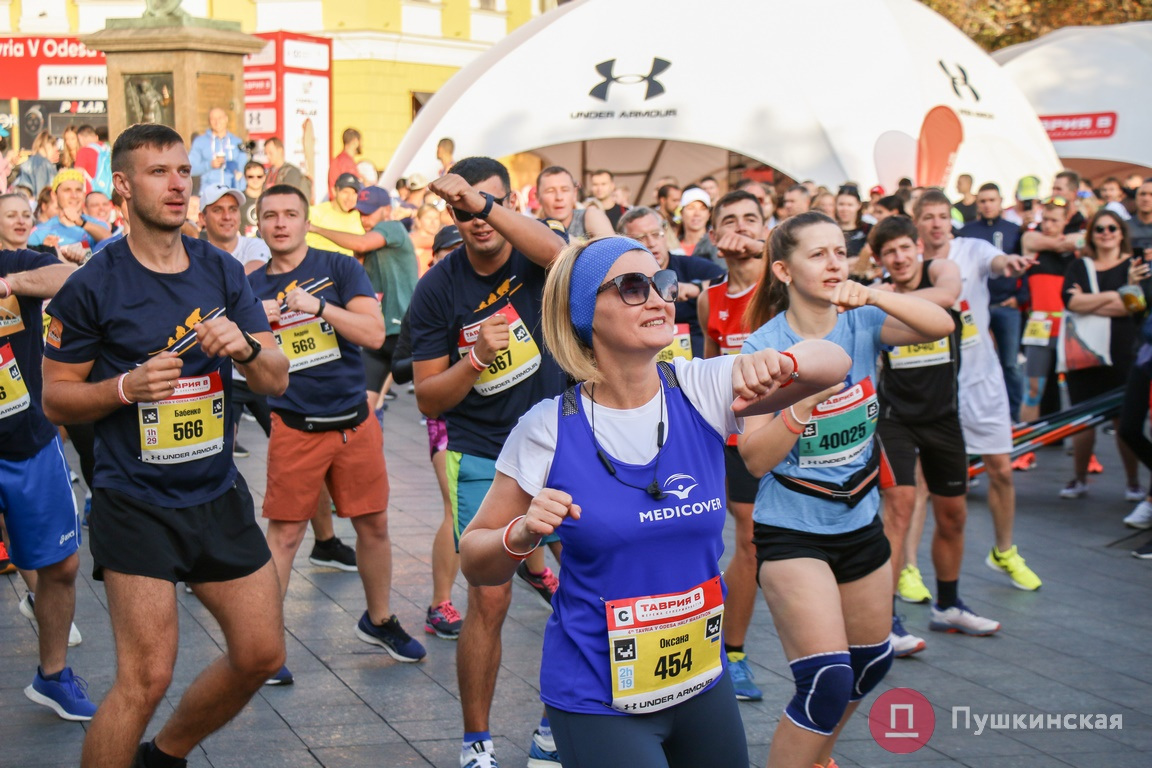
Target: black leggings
{"type": "Point", "coordinates": [1134, 415]}
{"type": "Point", "coordinates": [706, 730]}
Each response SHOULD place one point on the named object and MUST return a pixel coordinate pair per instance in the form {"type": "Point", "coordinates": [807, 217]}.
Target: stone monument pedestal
{"type": "Point", "coordinates": [173, 70]}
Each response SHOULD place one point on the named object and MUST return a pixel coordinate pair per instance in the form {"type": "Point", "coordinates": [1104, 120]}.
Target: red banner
{"type": "Point", "coordinates": [1095, 125]}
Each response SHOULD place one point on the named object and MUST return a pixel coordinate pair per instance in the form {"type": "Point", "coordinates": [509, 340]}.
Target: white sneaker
{"type": "Point", "coordinates": [1134, 493]}
{"type": "Point", "coordinates": [904, 643]}
{"type": "Point", "coordinates": [482, 754]}
{"type": "Point", "coordinates": [1074, 490]}
{"type": "Point", "coordinates": [28, 609]}
{"type": "Point", "coordinates": [1141, 517]}
{"type": "Point", "coordinates": [959, 618]}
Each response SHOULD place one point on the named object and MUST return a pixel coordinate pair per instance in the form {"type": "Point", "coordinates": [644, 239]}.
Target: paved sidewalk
{"type": "Point", "coordinates": [1079, 646]}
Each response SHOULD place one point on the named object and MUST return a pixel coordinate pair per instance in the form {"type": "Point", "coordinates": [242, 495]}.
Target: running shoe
{"type": "Point", "coordinates": [904, 643]}
{"type": "Point", "coordinates": [333, 554]}
{"type": "Point", "coordinates": [240, 452]}
{"type": "Point", "coordinates": [283, 677]}
{"type": "Point", "coordinates": [959, 618]}
{"type": "Point", "coordinates": [390, 395]}
{"type": "Point", "coordinates": [1094, 466]}
{"type": "Point", "coordinates": [542, 753]}
{"type": "Point", "coordinates": [741, 675]}
{"type": "Point", "coordinates": [391, 637]}
{"type": "Point", "coordinates": [248, 417]}
{"type": "Point", "coordinates": [6, 565]}
{"type": "Point", "coordinates": [480, 754]}
{"type": "Point", "coordinates": [910, 586]}
{"type": "Point", "coordinates": [1074, 490]}
{"type": "Point", "coordinates": [1134, 493]}
{"type": "Point", "coordinates": [87, 511]}
{"type": "Point", "coordinates": [1024, 462]}
{"type": "Point", "coordinates": [67, 697]}
{"type": "Point", "coordinates": [1012, 564]}
{"type": "Point", "coordinates": [1141, 517]}
{"type": "Point", "coordinates": [28, 609]}
{"type": "Point", "coordinates": [1144, 552]}
{"type": "Point", "coordinates": [444, 621]}
{"type": "Point", "coordinates": [543, 584]}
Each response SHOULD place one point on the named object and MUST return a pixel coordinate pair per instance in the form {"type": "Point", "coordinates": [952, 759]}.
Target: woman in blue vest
{"type": "Point", "coordinates": [628, 469]}
{"type": "Point", "coordinates": [823, 556]}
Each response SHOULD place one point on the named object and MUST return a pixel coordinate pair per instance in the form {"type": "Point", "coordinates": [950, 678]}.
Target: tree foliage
{"type": "Point", "coordinates": [997, 24]}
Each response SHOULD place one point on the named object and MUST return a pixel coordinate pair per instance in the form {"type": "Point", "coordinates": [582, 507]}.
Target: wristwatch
{"type": "Point", "coordinates": [488, 201]}
{"type": "Point", "coordinates": [256, 347]}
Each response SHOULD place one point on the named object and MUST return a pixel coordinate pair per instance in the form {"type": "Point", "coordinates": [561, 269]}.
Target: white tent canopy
{"type": "Point", "coordinates": [1091, 87]}
{"type": "Point", "coordinates": [594, 72]}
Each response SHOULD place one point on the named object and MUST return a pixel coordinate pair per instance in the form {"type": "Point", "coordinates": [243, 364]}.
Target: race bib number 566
{"type": "Point", "coordinates": [188, 425]}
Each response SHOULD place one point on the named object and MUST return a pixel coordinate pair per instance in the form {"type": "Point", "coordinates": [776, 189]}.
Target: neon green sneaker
{"type": "Point", "coordinates": [910, 587]}
{"type": "Point", "coordinates": [1012, 564]}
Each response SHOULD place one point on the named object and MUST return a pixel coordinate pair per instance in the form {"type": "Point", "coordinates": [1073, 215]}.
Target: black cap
{"type": "Point", "coordinates": [447, 237]}
{"type": "Point", "coordinates": [348, 180]}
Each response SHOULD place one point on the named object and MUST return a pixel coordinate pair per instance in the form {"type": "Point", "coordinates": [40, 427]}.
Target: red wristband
{"type": "Point", "coordinates": [795, 369]}
{"type": "Point", "coordinates": [798, 431]}
{"type": "Point", "coordinates": [508, 550]}
{"type": "Point", "coordinates": [475, 361]}
{"type": "Point", "coordinates": [7, 288]}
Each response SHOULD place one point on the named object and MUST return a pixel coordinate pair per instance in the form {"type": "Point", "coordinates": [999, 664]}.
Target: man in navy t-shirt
{"type": "Point", "coordinates": [322, 310]}
{"type": "Point", "coordinates": [35, 489]}
{"type": "Point", "coordinates": [480, 363]}
{"type": "Point", "coordinates": [141, 341]}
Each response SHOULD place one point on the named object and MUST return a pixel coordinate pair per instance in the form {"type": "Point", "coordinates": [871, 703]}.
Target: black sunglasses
{"type": "Point", "coordinates": [463, 216]}
{"type": "Point", "coordinates": [634, 287]}
{"type": "Point", "coordinates": [1102, 228]}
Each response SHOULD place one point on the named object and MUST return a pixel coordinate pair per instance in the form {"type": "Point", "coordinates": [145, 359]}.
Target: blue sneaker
{"type": "Point", "coordinates": [741, 676]}
{"type": "Point", "coordinates": [283, 677]}
{"type": "Point", "coordinates": [67, 696]}
{"type": "Point", "coordinates": [87, 511]}
{"type": "Point", "coordinates": [391, 637]}
{"type": "Point", "coordinates": [542, 753]}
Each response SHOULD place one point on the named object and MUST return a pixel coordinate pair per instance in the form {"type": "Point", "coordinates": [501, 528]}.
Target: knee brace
{"type": "Point", "coordinates": [1034, 400]}
{"type": "Point", "coordinates": [869, 665]}
{"type": "Point", "coordinates": [823, 688]}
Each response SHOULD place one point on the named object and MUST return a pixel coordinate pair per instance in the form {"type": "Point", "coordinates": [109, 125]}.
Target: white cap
{"type": "Point", "coordinates": [211, 194]}
{"type": "Point", "coordinates": [695, 195]}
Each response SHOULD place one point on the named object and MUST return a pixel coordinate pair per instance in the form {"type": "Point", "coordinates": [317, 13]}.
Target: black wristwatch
{"type": "Point", "coordinates": [256, 347]}
{"type": "Point", "coordinates": [488, 203]}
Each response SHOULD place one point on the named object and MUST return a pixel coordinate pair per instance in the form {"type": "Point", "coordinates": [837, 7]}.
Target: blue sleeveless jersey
{"type": "Point", "coordinates": [626, 543]}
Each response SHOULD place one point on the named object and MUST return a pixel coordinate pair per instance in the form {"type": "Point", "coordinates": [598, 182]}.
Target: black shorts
{"type": "Point", "coordinates": [1088, 383]}
{"type": "Point", "coordinates": [940, 446]}
{"type": "Point", "coordinates": [742, 484]}
{"type": "Point", "coordinates": [215, 541]}
{"type": "Point", "coordinates": [378, 363]}
{"type": "Point", "coordinates": [851, 555]}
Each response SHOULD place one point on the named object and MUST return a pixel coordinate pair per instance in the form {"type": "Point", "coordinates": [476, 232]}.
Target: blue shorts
{"type": "Point", "coordinates": [469, 478]}
{"type": "Point", "coordinates": [39, 508]}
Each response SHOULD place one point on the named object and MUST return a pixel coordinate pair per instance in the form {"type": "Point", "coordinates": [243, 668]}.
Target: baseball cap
{"type": "Point", "coordinates": [348, 180]}
{"type": "Point", "coordinates": [876, 190]}
{"type": "Point", "coordinates": [1028, 188]}
{"type": "Point", "coordinates": [372, 199]}
{"type": "Point", "coordinates": [447, 237]}
{"type": "Point", "coordinates": [417, 181]}
{"type": "Point", "coordinates": [695, 195]}
{"type": "Point", "coordinates": [211, 193]}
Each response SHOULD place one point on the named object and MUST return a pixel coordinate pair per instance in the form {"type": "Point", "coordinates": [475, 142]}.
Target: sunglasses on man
{"type": "Point", "coordinates": [635, 287]}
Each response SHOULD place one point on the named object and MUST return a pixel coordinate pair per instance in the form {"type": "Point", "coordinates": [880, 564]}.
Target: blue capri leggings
{"type": "Point", "coordinates": [705, 730]}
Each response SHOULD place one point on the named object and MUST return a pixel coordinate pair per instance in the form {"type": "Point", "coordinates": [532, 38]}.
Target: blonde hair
{"type": "Point", "coordinates": [569, 352]}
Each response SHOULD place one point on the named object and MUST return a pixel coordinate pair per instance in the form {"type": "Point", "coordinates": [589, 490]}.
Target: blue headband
{"type": "Point", "coordinates": [588, 275]}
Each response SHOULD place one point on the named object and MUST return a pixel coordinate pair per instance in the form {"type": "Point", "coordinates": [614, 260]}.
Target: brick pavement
{"type": "Point", "coordinates": [1078, 646]}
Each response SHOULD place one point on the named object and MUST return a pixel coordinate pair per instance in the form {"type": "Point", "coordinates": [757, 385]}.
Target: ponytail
{"type": "Point", "coordinates": [771, 297]}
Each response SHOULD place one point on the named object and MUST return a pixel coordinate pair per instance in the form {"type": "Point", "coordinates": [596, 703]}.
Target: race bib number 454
{"type": "Point", "coordinates": [188, 425]}
{"type": "Point", "coordinates": [664, 649]}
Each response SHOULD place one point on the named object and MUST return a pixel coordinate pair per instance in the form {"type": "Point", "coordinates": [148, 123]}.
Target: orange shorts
{"type": "Point", "coordinates": [350, 461]}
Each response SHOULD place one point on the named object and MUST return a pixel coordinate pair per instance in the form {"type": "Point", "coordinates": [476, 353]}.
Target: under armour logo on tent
{"type": "Point", "coordinates": [959, 81]}
{"type": "Point", "coordinates": [655, 88]}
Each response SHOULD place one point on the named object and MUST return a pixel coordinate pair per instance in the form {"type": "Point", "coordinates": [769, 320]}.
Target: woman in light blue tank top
{"type": "Point", "coordinates": [823, 557]}
{"type": "Point", "coordinates": [628, 469]}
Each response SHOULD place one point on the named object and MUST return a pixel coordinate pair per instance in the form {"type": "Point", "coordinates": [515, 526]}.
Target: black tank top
{"type": "Point", "coordinates": [918, 381]}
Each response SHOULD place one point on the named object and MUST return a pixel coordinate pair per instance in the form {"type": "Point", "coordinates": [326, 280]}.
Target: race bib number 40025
{"type": "Point", "coordinates": [841, 427]}
{"type": "Point", "coordinates": [664, 649]}
{"type": "Point", "coordinates": [188, 425]}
